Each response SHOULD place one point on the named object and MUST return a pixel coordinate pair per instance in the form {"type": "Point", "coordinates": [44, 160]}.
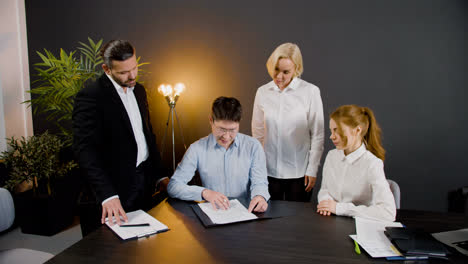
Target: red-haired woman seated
{"type": "Point", "coordinates": [354, 181]}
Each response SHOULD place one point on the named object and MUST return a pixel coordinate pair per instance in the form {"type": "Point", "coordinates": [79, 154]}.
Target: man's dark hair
{"type": "Point", "coordinates": [226, 108]}
{"type": "Point", "coordinates": [118, 50]}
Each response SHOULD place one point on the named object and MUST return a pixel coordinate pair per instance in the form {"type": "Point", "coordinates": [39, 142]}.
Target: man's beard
{"type": "Point", "coordinates": [127, 84]}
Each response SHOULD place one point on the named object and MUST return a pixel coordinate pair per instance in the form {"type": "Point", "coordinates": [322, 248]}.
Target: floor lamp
{"type": "Point", "coordinates": [171, 96]}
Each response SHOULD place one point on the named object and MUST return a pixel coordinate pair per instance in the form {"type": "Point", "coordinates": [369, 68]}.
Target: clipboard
{"type": "Point", "coordinates": [135, 232]}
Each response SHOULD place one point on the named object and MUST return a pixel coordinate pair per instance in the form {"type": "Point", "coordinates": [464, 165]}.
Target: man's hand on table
{"type": "Point", "coordinates": [258, 204]}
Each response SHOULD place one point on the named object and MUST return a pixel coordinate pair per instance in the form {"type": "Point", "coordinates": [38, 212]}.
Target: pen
{"type": "Point", "coordinates": [356, 248]}
{"type": "Point", "coordinates": [407, 258]}
{"type": "Point", "coordinates": [135, 225]}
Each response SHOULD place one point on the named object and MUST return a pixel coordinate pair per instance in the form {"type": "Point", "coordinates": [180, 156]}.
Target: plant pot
{"type": "Point", "coordinates": [47, 215]}
{"type": "Point", "coordinates": [42, 215]}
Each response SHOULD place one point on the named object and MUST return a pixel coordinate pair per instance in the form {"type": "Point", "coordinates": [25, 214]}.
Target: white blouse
{"type": "Point", "coordinates": [357, 183]}
{"type": "Point", "coordinates": [289, 124]}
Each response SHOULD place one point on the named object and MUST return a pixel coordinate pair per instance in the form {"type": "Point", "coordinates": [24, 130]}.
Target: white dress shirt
{"type": "Point", "coordinates": [289, 124]}
{"type": "Point", "coordinates": [357, 183]}
{"type": "Point", "coordinates": [131, 106]}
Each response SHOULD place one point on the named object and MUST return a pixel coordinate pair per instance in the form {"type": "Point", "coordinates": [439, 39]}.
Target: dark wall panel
{"type": "Point", "coordinates": [404, 59]}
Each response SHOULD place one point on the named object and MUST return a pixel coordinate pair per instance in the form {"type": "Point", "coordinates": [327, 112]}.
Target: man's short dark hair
{"type": "Point", "coordinates": [118, 50]}
{"type": "Point", "coordinates": [226, 108]}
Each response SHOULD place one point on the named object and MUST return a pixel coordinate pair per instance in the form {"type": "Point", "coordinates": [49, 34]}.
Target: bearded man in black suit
{"type": "Point", "coordinates": [113, 137]}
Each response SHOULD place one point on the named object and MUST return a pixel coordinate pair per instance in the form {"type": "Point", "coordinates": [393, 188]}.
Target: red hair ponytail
{"type": "Point", "coordinates": [353, 116]}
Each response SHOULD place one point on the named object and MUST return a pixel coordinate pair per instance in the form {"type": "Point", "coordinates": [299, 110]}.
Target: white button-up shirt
{"type": "Point", "coordinates": [131, 106]}
{"type": "Point", "coordinates": [357, 183]}
{"type": "Point", "coordinates": [289, 124]}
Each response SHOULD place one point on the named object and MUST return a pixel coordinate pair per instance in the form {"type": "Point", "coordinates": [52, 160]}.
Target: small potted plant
{"type": "Point", "coordinates": [47, 207]}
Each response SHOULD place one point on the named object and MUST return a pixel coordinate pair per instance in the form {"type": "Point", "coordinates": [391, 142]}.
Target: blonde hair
{"type": "Point", "coordinates": [287, 50]}
{"type": "Point", "coordinates": [353, 116]}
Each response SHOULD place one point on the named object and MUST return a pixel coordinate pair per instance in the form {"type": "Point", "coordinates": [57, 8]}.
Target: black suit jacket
{"type": "Point", "coordinates": [105, 145]}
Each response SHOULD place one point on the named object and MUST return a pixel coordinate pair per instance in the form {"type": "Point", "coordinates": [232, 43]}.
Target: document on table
{"type": "Point", "coordinates": [137, 218]}
{"type": "Point", "coordinates": [370, 236]}
{"type": "Point", "coordinates": [457, 239]}
{"type": "Point", "coordinates": [236, 213]}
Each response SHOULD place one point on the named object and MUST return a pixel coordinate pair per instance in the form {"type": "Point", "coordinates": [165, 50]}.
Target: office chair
{"type": "Point", "coordinates": [396, 192]}
{"type": "Point", "coordinates": [7, 210]}
{"type": "Point", "coordinates": [458, 200]}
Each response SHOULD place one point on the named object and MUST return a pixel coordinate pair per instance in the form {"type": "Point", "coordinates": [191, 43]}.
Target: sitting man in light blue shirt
{"type": "Point", "coordinates": [230, 164]}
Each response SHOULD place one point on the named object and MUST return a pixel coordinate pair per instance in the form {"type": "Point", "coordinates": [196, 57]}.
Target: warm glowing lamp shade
{"type": "Point", "coordinates": [179, 88]}
{"type": "Point", "coordinates": [165, 89]}
{"type": "Point", "coordinates": [171, 95]}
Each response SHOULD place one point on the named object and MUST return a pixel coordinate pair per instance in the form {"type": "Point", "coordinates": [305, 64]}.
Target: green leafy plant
{"type": "Point", "coordinates": [60, 78]}
{"type": "Point", "coordinates": [37, 160]}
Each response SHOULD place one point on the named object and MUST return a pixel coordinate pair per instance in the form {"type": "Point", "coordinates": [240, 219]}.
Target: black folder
{"type": "Point", "coordinates": [411, 241]}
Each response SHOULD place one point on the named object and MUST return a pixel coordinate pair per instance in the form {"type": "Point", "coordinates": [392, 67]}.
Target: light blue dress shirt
{"type": "Point", "coordinates": [239, 171]}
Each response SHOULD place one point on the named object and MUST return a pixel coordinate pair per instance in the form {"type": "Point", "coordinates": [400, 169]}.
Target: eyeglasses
{"type": "Point", "coordinates": [222, 131]}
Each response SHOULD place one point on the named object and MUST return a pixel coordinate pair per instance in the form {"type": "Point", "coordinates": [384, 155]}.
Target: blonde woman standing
{"type": "Point", "coordinates": [353, 182]}
{"type": "Point", "coordinates": [288, 120]}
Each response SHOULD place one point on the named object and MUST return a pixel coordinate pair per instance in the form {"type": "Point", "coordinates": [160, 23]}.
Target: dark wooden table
{"type": "Point", "coordinates": [300, 236]}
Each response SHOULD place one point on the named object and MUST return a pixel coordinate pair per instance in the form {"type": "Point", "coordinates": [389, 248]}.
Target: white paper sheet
{"type": "Point", "coordinates": [138, 217]}
{"type": "Point", "coordinates": [236, 213]}
{"type": "Point", "coordinates": [370, 236]}
{"type": "Point", "coordinates": [372, 231]}
{"type": "Point", "coordinates": [377, 250]}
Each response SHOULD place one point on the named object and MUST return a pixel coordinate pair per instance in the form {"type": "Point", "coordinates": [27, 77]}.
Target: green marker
{"type": "Point", "coordinates": [356, 248]}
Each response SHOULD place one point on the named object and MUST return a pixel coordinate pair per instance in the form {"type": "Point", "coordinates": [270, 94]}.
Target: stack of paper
{"type": "Point", "coordinates": [236, 213]}
{"type": "Point", "coordinates": [371, 237]}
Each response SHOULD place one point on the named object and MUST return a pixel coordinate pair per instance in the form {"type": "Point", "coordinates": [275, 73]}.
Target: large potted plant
{"type": "Point", "coordinates": [48, 207]}
{"type": "Point", "coordinates": [60, 78]}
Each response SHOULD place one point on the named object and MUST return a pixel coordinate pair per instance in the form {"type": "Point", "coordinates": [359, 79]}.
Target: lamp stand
{"type": "Point", "coordinates": [172, 115]}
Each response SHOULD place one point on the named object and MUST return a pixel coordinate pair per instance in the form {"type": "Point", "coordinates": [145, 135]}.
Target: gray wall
{"type": "Point", "coordinates": [404, 59]}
